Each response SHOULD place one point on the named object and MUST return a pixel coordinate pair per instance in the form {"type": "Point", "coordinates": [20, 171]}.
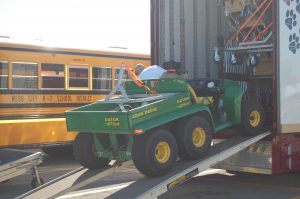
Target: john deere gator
{"type": "Point", "coordinates": [154, 121]}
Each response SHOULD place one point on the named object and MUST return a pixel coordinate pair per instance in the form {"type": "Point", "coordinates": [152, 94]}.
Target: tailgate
{"type": "Point", "coordinates": [98, 117]}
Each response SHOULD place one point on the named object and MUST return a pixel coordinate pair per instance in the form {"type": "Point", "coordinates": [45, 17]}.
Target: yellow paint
{"type": "Point", "coordinates": [206, 100]}
{"type": "Point", "coordinates": [177, 182]}
{"type": "Point", "coordinates": [39, 76]}
{"type": "Point", "coordinates": [194, 95]}
{"type": "Point", "coordinates": [145, 112]}
{"type": "Point", "coordinates": [290, 128]}
{"type": "Point", "coordinates": [34, 131]}
{"type": "Point", "coordinates": [182, 100]}
{"type": "Point", "coordinates": [9, 74]}
{"type": "Point", "coordinates": [19, 112]}
{"type": "Point", "coordinates": [162, 152]}
{"type": "Point", "coordinates": [52, 58]}
{"type": "Point", "coordinates": [254, 118]}
{"type": "Point", "coordinates": [112, 121]}
{"type": "Point", "coordinates": [198, 137]}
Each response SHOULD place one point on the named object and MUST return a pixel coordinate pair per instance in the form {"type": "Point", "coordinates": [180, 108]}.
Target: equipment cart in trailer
{"type": "Point", "coordinates": [154, 124]}
{"type": "Point", "coordinates": [15, 162]}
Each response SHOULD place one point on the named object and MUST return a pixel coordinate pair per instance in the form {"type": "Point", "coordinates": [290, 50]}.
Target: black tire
{"type": "Point", "coordinates": [252, 118]}
{"type": "Point", "coordinates": [193, 136]}
{"type": "Point", "coordinates": [145, 154]}
{"type": "Point", "coordinates": [84, 152]}
{"type": "Point", "coordinates": [58, 151]}
{"type": "Point", "coordinates": [34, 182]}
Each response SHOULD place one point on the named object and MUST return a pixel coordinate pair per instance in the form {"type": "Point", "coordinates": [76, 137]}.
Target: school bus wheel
{"type": "Point", "coordinates": [155, 152]}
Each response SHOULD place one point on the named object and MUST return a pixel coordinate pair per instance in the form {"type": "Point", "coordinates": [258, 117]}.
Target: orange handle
{"type": "Point", "coordinates": [138, 81]}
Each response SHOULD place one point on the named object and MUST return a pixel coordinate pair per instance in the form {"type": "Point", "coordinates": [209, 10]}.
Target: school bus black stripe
{"type": "Point", "coordinates": [59, 92]}
{"type": "Point", "coordinates": [73, 53]}
{"type": "Point", "coordinates": [35, 116]}
{"type": "Point", "coordinates": [42, 105]}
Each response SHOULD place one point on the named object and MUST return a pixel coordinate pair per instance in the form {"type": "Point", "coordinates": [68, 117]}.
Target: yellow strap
{"type": "Point", "coordinates": [193, 93]}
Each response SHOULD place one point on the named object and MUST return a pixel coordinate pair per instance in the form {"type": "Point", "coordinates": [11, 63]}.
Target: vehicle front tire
{"type": "Point", "coordinates": [84, 152]}
{"type": "Point", "coordinates": [155, 152]}
{"type": "Point", "coordinates": [252, 118]}
{"type": "Point", "coordinates": [193, 136]}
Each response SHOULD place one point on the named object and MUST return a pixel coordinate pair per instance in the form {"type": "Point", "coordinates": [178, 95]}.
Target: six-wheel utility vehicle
{"type": "Point", "coordinates": [152, 126]}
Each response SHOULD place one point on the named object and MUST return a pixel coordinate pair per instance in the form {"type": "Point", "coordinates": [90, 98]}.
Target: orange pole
{"type": "Point", "coordinates": [138, 81]}
{"type": "Point", "coordinates": [258, 20]}
{"type": "Point", "coordinates": [248, 20]}
{"type": "Point", "coordinates": [263, 32]}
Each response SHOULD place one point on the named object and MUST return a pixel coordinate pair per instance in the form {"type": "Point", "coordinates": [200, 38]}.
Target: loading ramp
{"type": "Point", "coordinates": [146, 187]}
{"type": "Point", "coordinates": [14, 163]}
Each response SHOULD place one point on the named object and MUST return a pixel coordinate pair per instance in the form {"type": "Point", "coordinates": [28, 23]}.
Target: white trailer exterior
{"type": "Point", "coordinates": [288, 65]}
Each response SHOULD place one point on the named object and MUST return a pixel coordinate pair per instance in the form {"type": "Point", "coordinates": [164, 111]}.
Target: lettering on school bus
{"type": "Point", "coordinates": [32, 98]}
{"type": "Point", "coordinates": [47, 98]}
{"type": "Point", "coordinates": [84, 98]}
{"type": "Point", "coordinates": [66, 98]}
{"type": "Point", "coordinates": [17, 98]}
{"type": "Point", "coordinates": [27, 99]}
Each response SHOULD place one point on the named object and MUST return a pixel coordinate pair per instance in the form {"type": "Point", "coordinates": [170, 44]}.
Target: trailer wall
{"type": "Point", "coordinates": [289, 65]}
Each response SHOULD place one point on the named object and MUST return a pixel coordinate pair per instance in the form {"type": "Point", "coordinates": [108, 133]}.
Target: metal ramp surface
{"type": "Point", "coordinates": [145, 187]}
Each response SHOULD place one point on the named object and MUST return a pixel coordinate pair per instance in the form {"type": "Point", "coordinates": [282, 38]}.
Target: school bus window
{"type": "Point", "coordinates": [125, 75]}
{"type": "Point", "coordinates": [102, 78]}
{"type": "Point", "coordinates": [53, 76]}
{"type": "Point", "coordinates": [24, 75]}
{"type": "Point", "coordinates": [3, 75]}
{"type": "Point", "coordinates": [78, 77]}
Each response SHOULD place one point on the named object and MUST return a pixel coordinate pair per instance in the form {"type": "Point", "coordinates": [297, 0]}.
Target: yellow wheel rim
{"type": "Point", "coordinates": [198, 137]}
{"type": "Point", "coordinates": [254, 118]}
{"type": "Point", "coordinates": [162, 152]}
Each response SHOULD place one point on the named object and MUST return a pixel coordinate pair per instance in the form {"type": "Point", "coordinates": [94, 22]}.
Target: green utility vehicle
{"type": "Point", "coordinates": [178, 118]}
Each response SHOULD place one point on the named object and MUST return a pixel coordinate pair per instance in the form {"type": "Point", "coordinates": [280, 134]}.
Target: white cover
{"type": "Point", "coordinates": [152, 72]}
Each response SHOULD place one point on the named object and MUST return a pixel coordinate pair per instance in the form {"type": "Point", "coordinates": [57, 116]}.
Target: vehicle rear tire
{"type": "Point", "coordinates": [252, 118]}
{"type": "Point", "coordinates": [155, 152]}
{"type": "Point", "coordinates": [193, 136]}
{"type": "Point", "coordinates": [58, 151]}
{"type": "Point", "coordinates": [84, 152]}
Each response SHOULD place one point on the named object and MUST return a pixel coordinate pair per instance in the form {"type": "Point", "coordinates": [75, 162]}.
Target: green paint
{"type": "Point", "coordinates": [110, 119]}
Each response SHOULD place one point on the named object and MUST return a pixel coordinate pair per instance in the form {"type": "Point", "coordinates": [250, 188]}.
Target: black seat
{"type": "Point", "coordinates": [201, 89]}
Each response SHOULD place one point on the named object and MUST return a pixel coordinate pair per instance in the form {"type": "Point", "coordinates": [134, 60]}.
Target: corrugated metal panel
{"type": "Point", "coordinates": [188, 33]}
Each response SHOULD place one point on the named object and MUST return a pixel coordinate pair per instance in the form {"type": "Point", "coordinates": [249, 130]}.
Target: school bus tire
{"type": "Point", "coordinates": [84, 152]}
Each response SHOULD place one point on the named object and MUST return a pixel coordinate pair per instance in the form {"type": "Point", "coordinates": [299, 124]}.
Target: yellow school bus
{"type": "Point", "coordinates": [38, 84]}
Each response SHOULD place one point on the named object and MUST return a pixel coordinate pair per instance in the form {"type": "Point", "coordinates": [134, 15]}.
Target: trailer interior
{"type": "Point", "coordinates": [220, 39]}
